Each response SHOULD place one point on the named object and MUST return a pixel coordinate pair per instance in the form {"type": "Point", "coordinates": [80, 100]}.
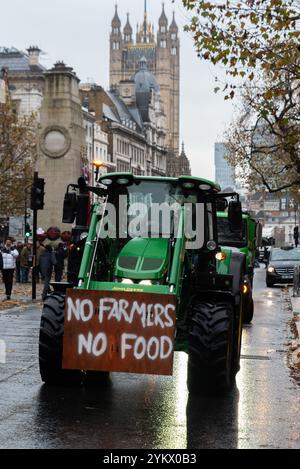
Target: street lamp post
{"type": "Point", "coordinates": [97, 165]}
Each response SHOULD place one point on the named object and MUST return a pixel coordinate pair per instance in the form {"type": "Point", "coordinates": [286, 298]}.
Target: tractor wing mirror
{"type": "Point", "coordinates": [222, 204]}
{"type": "Point", "coordinates": [235, 217]}
{"type": "Point", "coordinates": [70, 207]}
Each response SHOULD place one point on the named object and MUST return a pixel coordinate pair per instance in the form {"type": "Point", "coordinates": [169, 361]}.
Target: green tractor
{"type": "Point", "coordinates": [247, 240]}
{"type": "Point", "coordinates": [151, 279]}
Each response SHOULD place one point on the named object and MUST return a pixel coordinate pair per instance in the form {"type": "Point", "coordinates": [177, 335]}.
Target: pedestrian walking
{"type": "Point", "coordinates": [46, 262]}
{"type": "Point", "coordinates": [25, 264]}
{"type": "Point", "coordinates": [9, 256]}
{"type": "Point", "coordinates": [19, 248]}
{"type": "Point", "coordinates": [39, 251]}
{"type": "Point", "coordinates": [60, 262]}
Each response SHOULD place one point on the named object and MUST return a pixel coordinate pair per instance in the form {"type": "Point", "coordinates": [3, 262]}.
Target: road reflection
{"type": "Point", "coordinates": [212, 422]}
{"type": "Point", "coordinates": [136, 412]}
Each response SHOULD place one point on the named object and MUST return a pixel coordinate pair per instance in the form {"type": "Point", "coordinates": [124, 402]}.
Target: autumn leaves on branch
{"type": "Point", "coordinates": [256, 42]}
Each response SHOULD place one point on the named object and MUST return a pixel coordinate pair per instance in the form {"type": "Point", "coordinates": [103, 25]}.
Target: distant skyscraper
{"type": "Point", "coordinates": [224, 173]}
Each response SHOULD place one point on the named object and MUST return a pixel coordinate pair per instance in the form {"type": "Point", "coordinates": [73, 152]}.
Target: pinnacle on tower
{"type": "Point", "coordinates": [173, 25]}
{"type": "Point", "coordinates": [116, 22]}
{"type": "Point", "coordinates": [145, 22]}
{"type": "Point", "coordinates": [163, 20]}
{"type": "Point", "coordinates": [127, 28]}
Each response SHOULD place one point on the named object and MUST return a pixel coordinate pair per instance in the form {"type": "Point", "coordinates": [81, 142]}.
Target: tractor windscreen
{"type": "Point", "coordinates": [228, 238]}
{"type": "Point", "coordinates": [150, 208]}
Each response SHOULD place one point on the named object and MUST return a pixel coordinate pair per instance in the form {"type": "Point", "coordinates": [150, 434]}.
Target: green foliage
{"type": "Point", "coordinates": [245, 35]}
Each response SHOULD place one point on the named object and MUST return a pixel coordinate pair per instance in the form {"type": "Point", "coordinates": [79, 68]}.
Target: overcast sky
{"type": "Point", "coordinates": [77, 32]}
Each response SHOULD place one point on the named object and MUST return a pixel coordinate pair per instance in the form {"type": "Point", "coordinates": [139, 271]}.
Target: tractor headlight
{"type": "Point", "coordinates": [145, 282]}
{"type": "Point", "coordinates": [126, 280]}
{"type": "Point", "coordinates": [271, 269]}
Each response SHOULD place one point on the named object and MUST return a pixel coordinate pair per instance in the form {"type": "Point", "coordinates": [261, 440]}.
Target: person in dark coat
{"type": "Point", "coordinates": [60, 262]}
{"type": "Point", "coordinates": [46, 262]}
{"type": "Point", "coordinates": [18, 264]}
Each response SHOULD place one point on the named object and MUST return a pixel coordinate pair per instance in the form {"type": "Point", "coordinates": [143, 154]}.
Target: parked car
{"type": "Point", "coordinates": [280, 268]}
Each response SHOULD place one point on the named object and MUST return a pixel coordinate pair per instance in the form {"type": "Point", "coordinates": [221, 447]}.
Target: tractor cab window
{"type": "Point", "coordinates": [228, 238]}
{"type": "Point", "coordinates": [153, 208]}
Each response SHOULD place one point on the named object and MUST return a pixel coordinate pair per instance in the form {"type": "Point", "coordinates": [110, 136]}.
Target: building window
{"type": "Point", "coordinates": [162, 29]}
{"type": "Point", "coordinates": [127, 38]}
{"type": "Point", "coordinates": [163, 44]}
{"type": "Point", "coordinates": [173, 36]}
{"type": "Point", "coordinates": [116, 45]}
{"type": "Point", "coordinates": [123, 167]}
{"type": "Point", "coordinates": [174, 51]}
{"type": "Point", "coordinates": [116, 30]}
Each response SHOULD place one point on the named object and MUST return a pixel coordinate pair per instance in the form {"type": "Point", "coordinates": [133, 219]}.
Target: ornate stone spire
{"type": "Point", "coordinates": [163, 20]}
{"type": "Point", "coordinates": [173, 25]}
{"type": "Point", "coordinates": [127, 28]}
{"type": "Point", "coordinates": [116, 22]}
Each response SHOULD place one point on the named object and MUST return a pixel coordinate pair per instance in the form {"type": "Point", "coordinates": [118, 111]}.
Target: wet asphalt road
{"type": "Point", "coordinates": [136, 411]}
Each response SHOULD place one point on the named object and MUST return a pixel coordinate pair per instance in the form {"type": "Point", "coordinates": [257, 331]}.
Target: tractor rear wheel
{"type": "Point", "coordinates": [211, 363]}
{"type": "Point", "coordinates": [51, 343]}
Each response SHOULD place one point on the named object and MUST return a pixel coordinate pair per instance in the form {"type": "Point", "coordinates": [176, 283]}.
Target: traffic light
{"type": "Point", "coordinates": [28, 231]}
{"type": "Point", "coordinates": [37, 194]}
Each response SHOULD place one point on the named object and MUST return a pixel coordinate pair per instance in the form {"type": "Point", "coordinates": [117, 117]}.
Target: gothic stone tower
{"type": "Point", "coordinates": [163, 60]}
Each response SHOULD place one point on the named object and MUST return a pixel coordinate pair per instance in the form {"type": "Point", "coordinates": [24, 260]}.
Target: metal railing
{"type": "Point", "coordinates": [296, 281]}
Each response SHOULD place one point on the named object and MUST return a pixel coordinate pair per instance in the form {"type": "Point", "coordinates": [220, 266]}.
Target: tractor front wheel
{"type": "Point", "coordinates": [248, 309]}
{"type": "Point", "coordinates": [211, 363]}
{"type": "Point", "coordinates": [51, 343]}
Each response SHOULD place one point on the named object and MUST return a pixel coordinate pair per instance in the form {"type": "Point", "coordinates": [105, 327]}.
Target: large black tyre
{"type": "Point", "coordinates": [211, 363]}
{"type": "Point", "coordinates": [248, 309]}
{"type": "Point", "coordinates": [51, 343]}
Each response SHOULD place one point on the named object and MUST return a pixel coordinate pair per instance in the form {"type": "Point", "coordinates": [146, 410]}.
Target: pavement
{"type": "Point", "coordinates": [295, 300]}
{"type": "Point", "coordinates": [294, 345]}
{"type": "Point", "coordinates": [21, 296]}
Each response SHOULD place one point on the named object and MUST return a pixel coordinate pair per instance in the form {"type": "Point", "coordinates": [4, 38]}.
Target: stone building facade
{"type": "Point", "coordinates": [95, 148]}
{"type": "Point", "coordinates": [26, 78]}
{"type": "Point", "coordinates": [132, 114]}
